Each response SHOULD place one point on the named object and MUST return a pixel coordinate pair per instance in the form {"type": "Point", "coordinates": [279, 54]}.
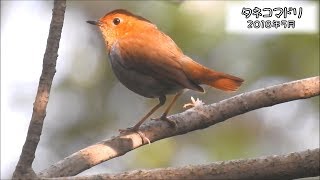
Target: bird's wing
{"type": "Point", "coordinates": [156, 56]}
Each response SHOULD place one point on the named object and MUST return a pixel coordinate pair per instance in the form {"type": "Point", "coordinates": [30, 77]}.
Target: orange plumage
{"type": "Point", "coordinates": [149, 63]}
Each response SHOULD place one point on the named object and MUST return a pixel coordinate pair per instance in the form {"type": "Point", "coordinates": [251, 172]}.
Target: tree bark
{"type": "Point", "coordinates": [196, 118]}
{"type": "Point", "coordinates": [24, 167]}
{"type": "Point", "coordinates": [290, 166]}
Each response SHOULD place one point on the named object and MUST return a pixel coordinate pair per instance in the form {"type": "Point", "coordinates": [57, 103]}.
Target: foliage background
{"type": "Point", "coordinates": [88, 104]}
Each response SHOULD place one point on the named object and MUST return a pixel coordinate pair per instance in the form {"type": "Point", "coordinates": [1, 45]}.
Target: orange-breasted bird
{"type": "Point", "coordinates": [149, 63]}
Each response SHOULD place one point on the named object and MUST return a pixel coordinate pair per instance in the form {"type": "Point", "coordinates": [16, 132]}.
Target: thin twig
{"type": "Point", "coordinates": [24, 167]}
{"type": "Point", "coordinates": [193, 119]}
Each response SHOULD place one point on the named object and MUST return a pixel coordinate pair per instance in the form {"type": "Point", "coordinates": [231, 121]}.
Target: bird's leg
{"type": "Point", "coordinates": [162, 100]}
{"type": "Point", "coordinates": [164, 115]}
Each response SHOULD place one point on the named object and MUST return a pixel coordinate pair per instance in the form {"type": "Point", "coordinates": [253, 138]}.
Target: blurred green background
{"type": "Point", "coordinates": [88, 104]}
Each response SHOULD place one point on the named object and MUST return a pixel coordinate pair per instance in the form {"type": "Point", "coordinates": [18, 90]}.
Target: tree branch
{"type": "Point", "coordinates": [290, 166]}
{"type": "Point", "coordinates": [24, 167]}
{"type": "Point", "coordinates": [193, 119]}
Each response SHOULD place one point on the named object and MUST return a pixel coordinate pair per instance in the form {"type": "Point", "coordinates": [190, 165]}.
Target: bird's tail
{"type": "Point", "coordinates": [202, 75]}
{"type": "Point", "coordinates": [221, 81]}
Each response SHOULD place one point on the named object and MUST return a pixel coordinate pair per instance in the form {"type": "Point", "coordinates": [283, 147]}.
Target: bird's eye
{"type": "Point", "coordinates": [116, 21]}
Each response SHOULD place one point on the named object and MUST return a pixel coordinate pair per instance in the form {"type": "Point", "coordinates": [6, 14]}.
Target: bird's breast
{"type": "Point", "coordinates": [138, 82]}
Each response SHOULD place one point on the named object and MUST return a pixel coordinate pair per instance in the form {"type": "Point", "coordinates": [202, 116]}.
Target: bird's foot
{"type": "Point", "coordinates": [194, 103]}
{"type": "Point", "coordinates": [165, 118]}
{"type": "Point", "coordinates": [135, 130]}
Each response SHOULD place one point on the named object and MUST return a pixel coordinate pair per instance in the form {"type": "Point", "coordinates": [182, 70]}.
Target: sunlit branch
{"type": "Point", "coordinates": [289, 166]}
{"type": "Point", "coordinates": [193, 119]}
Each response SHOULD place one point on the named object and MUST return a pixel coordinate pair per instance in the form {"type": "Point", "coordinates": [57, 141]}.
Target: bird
{"type": "Point", "coordinates": [149, 63]}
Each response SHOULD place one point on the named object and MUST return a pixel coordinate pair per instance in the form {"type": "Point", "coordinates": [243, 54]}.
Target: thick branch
{"type": "Point", "coordinates": [289, 166]}
{"type": "Point", "coordinates": [193, 119]}
{"type": "Point", "coordinates": [24, 167]}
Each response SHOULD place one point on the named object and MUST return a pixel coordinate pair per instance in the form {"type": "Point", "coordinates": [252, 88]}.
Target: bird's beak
{"type": "Point", "coordinates": [97, 23]}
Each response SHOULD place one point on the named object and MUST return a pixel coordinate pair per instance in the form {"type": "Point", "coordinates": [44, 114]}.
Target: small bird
{"type": "Point", "coordinates": [149, 63]}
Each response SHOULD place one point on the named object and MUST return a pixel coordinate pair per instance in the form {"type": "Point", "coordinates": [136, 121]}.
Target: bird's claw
{"type": "Point", "coordinates": [165, 118]}
{"type": "Point", "coordinates": [194, 103]}
{"type": "Point", "coordinates": [135, 130]}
